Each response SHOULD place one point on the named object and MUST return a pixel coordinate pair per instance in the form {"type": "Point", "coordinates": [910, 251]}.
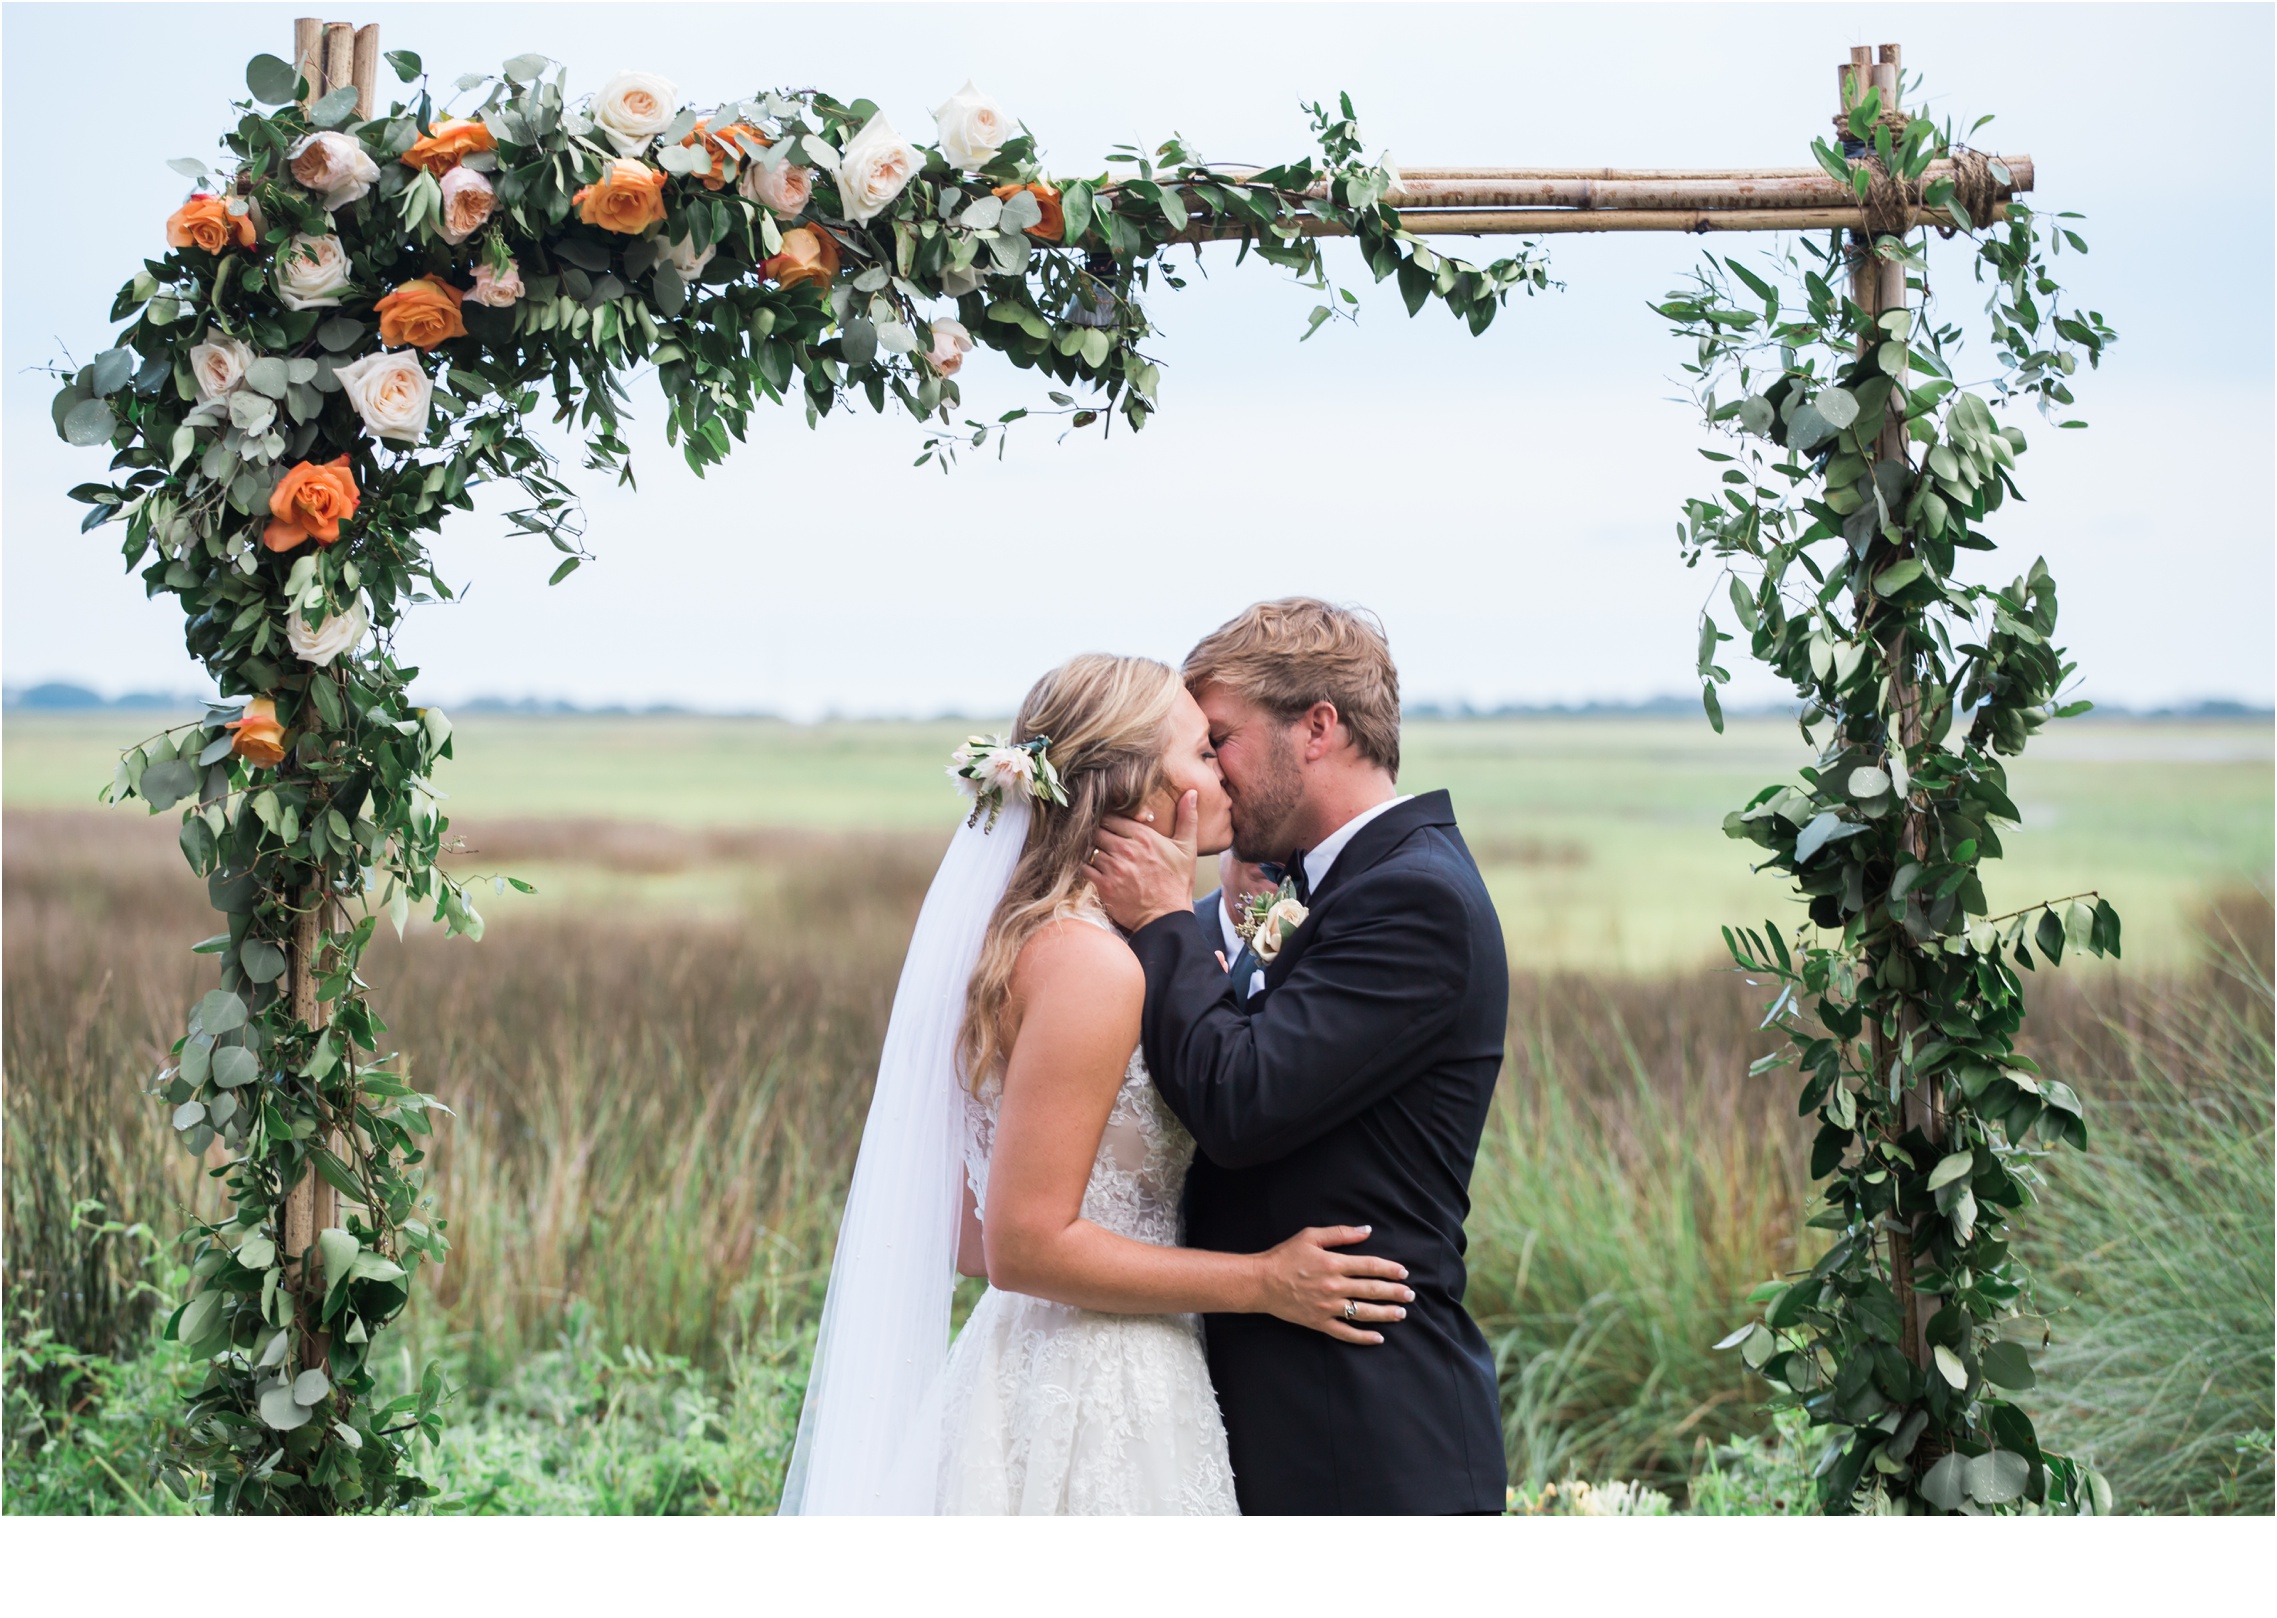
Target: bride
{"type": "Point", "coordinates": [1015, 1134]}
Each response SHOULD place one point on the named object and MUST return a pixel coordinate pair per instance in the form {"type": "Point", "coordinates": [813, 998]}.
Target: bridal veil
{"type": "Point", "coordinates": [869, 1438]}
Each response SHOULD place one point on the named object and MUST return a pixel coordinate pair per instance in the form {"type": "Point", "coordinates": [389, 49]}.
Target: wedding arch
{"type": "Point", "coordinates": [360, 311]}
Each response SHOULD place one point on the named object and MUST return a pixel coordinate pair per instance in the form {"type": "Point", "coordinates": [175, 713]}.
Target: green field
{"type": "Point", "coordinates": [1600, 838]}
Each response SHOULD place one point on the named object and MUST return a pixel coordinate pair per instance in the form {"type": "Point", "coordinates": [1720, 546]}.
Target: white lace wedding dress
{"type": "Point", "coordinates": [1053, 1410]}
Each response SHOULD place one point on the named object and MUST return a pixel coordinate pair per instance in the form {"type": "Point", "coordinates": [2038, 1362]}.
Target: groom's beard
{"type": "Point", "coordinates": [1265, 806]}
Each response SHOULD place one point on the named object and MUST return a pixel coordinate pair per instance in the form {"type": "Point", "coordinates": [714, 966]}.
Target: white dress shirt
{"type": "Point", "coordinates": [1319, 859]}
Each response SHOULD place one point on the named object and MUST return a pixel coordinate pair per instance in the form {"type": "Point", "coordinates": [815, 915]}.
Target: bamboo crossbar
{"type": "Point", "coordinates": [1815, 189]}
{"type": "Point", "coordinates": [1575, 221]}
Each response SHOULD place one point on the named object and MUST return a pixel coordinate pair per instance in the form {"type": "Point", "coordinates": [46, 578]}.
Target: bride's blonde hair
{"type": "Point", "coordinates": [1106, 717]}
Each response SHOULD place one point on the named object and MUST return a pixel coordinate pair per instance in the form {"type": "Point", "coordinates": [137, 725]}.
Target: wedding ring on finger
{"type": "Point", "coordinates": [1351, 1310]}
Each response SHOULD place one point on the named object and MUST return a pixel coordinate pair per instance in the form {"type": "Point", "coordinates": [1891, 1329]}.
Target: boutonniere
{"type": "Point", "coordinates": [1268, 919]}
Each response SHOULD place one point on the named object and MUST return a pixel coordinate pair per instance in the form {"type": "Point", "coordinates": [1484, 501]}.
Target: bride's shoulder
{"type": "Point", "coordinates": [1075, 953]}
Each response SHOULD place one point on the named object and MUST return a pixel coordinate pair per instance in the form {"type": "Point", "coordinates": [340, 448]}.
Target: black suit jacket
{"type": "Point", "coordinates": [1352, 1092]}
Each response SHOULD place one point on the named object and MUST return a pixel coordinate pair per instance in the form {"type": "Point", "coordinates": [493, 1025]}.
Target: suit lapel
{"type": "Point", "coordinates": [1370, 846]}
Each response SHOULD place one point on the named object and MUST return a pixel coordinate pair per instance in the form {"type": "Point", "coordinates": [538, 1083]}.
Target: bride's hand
{"type": "Point", "coordinates": [1306, 1283]}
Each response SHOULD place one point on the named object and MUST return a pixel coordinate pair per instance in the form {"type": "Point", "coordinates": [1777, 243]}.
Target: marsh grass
{"type": "Point", "coordinates": [656, 1120]}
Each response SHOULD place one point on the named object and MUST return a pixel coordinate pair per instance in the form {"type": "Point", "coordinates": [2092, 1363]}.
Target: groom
{"type": "Point", "coordinates": [1353, 1089]}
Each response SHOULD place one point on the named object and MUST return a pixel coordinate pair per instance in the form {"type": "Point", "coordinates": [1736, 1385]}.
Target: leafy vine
{"type": "Point", "coordinates": [1860, 467]}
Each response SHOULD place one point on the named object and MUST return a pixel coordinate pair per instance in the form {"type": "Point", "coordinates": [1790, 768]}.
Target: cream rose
{"type": "Point", "coordinates": [496, 289]}
{"type": "Point", "coordinates": [971, 128]}
{"type": "Point", "coordinates": [783, 190]}
{"type": "Point", "coordinates": [1007, 769]}
{"type": "Point", "coordinates": [951, 343]}
{"type": "Point", "coordinates": [219, 365]}
{"type": "Point", "coordinates": [1285, 917]}
{"type": "Point", "coordinates": [634, 108]}
{"type": "Point", "coordinates": [391, 392]}
{"type": "Point", "coordinates": [687, 260]}
{"type": "Point", "coordinates": [876, 164]}
{"type": "Point", "coordinates": [342, 632]}
{"type": "Point", "coordinates": [468, 198]}
{"type": "Point", "coordinates": [334, 166]}
{"type": "Point", "coordinates": [312, 273]}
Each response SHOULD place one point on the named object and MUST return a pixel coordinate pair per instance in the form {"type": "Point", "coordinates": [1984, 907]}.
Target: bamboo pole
{"type": "Point", "coordinates": [1576, 221]}
{"type": "Point", "coordinates": [2020, 165]}
{"type": "Point", "coordinates": [339, 56]}
{"type": "Point", "coordinates": [1815, 189]}
{"type": "Point", "coordinates": [311, 1206]}
{"type": "Point", "coordinates": [308, 55]}
{"type": "Point", "coordinates": [1878, 286]}
{"type": "Point", "coordinates": [366, 70]}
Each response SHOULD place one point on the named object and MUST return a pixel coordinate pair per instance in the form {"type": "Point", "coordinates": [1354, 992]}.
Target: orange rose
{"type": "Point", "coordinates": [260, 739]}
{"type": "Point", "coordinates": [628, 198]}
{"type": "Point", "coordinates": [450, 140]}
{"type": "Point", "coordinates": [310, 502]}
{"type": "Point", "coordinates": [206, 222]}
{"type": "Point", "coordinates": [1053, 225]}
{"type": "Point", "coordinates": [422, 313]}
{"type": "Point", "coordinates": [726, 153]}
{"type": "Point", "coordinates": [809, 259]}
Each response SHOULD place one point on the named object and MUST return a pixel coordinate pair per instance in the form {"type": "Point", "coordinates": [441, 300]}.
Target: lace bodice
{"type": "Point", "coordinates": [1139, 1176]}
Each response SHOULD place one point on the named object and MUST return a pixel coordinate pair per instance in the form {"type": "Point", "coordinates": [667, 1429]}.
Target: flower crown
{"type": "Point", "coordinates": [985, 767]}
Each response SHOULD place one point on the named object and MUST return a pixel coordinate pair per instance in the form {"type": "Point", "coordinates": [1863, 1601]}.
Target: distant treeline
{"type": "Point", "coordinates": [58, 697]}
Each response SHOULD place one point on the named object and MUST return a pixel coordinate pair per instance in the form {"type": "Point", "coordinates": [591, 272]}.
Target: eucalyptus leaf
{"type": "Point", "coordinates": [271, 80]}
{"type": "Point", "coordinates": [234, 1067]}
{"type": "Point", "coordinates": [89, 423]}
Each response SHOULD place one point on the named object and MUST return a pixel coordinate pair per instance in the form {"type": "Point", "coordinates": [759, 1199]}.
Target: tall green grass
{"type": "Point", "coordinates": [656, 1119]}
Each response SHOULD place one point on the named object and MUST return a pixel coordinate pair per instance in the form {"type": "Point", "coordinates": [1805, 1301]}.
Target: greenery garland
{"type": "Point", "coordinates": [353, 327]}
{"type": "Point", "coordinates": [1909, 1335]}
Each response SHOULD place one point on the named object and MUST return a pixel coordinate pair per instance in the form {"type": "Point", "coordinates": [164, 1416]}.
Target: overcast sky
{"type": "Point", "coordinates": [1506, 503]}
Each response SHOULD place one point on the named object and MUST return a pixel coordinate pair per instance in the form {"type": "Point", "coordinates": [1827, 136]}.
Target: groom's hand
{"type": "Point", "coordinates": [1142, 875]}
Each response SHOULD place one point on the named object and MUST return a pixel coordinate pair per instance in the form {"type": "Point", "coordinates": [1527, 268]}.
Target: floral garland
{"type": "Point", "coordinates": [350, 328]}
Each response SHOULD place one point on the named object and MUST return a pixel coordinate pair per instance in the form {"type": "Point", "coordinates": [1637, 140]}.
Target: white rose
{"type": "Point", "coordinates": [876, 164]}
{"type": "Point", "coordinates": [782, 190]}
{"type": "Point", "coordinates": [687, 260]}
{"type": "Point", "coordinates": [391, 392]}
{"type": "Point", "coordinates": [971, 127]}
{"type": "Point", "coordinates": [498, 289]}
{"type": "Point", "coordinates": [951, 343]}
{"type": "Point", "coordinates": [1286, 916]}
{"type": "Point", "coordinates": [312, 273]}
{"type": "Point", "coordinates": [342, 632]}
{"type": "Point", "coordinates": [334, 166]}
{"type": "Point", "coordinates": [1008, 769]}
{"type": "Point", "coordinates": [634, 108]}
{"type": "Point", "coordinates": [219, 365]}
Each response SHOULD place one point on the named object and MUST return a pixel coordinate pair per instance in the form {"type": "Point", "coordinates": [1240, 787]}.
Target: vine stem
{"type": "Point", "coordinates": [2011, 915]}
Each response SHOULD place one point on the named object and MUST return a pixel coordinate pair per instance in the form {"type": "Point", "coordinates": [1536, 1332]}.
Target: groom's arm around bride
{"type": "Point", "coordinates": [1353, 1089]}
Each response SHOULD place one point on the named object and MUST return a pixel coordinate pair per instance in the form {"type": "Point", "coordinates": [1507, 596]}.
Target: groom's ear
{"type": "Point", "coordinates": [1324, 732]}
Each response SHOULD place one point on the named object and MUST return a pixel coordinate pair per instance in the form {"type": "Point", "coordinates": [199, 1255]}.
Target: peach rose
{"type": "Point", "coordinates": [1053, 225]}
{"type": "Point", "coordinates": [260, 740]}
{"type": "Point", "coordinates": [809, 259]}
{"type": "Point", "coordinates": [727, 155]}
{"type": "Point", "coordinates": [468, 198]}
{"type": "Point", "coordinates": [422, 313]}
{"type": "Point", "coordinates": [497, 289]}
{"type": "Point", "coordinates": [783, 190]}
{"type": "Point", "coordinates": [311, 502]}
{"type": "Point", "coordinates": [206, 222]}
{"type": "Point", "coordinates": [449, 141]}
{"type": "Point", "coordinates": [951, 343]}
{"type": "Point", "coordinates": [334, 166]}
{"type": "Point", "coordinates": [628, 198]}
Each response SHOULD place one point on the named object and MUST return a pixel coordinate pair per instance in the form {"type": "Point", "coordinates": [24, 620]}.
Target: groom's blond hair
{"type": "Point", "coordinates": [1286, 655]}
